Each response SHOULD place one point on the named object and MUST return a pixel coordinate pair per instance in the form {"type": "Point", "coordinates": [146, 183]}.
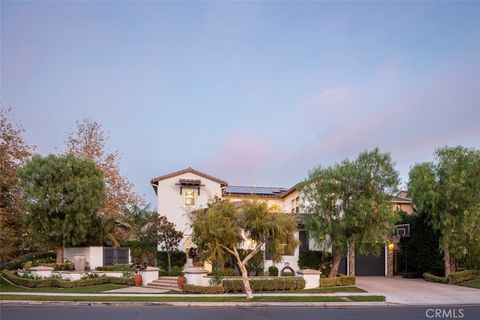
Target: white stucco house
{"type": "Point", "coordinates": [181, 192]}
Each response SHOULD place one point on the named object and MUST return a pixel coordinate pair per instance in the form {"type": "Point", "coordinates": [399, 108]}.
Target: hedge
{"type": "Point", "coordinates": [226, 272]}
{"type": "Point", "coordinates": [172, 273]}
{"type": "Point", "coordinates": [463, 276]}
{"type": "Point", "coordinates": [265, 284]}
{"type": "Point", "coordinates": [54, 282]}
{"type": "Point", "coordinates": [337, 281]}
{"type": "Point", "coordinates": [115, 267]}
{"type": "Point", "coordinates": [272, 271]}
{"type": "Point", "coordinates": [190, 288]}
{"type": "Point", "coordinates": [18, 262]}
{"type": "Point", "coordinates": [430, 277]}
{"type": "Point", "coordinates": [178, 258]}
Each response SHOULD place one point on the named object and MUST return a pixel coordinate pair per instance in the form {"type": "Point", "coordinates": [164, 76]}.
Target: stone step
{"type": "Point", "coordinates": [165, 281]}
{"type": "Point", "coordinates": [168, 283]}
{"type": "Point", "coordinates": [163, 286]}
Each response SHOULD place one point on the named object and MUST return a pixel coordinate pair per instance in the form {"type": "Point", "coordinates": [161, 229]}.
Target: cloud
{"type": "Point", "coordinates": [241, 158]}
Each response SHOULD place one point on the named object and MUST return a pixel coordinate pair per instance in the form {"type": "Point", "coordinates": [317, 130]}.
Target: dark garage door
{"type": "Point", "coordinates": [113, 256]}
{"type": "Point", "coordinates": [370, 265]}
{"type": "Point", "coordinates": [365, 265]}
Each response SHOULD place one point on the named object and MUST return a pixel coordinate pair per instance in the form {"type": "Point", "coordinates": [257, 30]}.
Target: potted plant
{"type": "Point", "coordinates": [137, 277]}
{"type": "Point", "coordinates": [181, 280]}
{"type": "Point", "coordinates": [193, 254]}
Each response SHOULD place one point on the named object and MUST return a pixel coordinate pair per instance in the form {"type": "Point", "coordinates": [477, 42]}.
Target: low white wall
{"type": "Point", "coordinates": [69, 253]}
{"type": "Point", "coordinates": [96, 257]}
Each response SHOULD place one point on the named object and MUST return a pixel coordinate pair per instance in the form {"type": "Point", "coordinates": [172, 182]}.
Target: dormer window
{"type": "Point", "coordinates": [190, 198]}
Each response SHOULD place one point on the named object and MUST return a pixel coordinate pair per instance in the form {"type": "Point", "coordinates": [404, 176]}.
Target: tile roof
{"type": "Point", "coordinates": [189, 170]}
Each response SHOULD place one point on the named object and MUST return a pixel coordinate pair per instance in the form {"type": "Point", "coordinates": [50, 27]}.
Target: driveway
{"type": "Point", "coordinates": [418, 291]}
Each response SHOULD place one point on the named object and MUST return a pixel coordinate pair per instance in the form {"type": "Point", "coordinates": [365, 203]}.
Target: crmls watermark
{"type": "Point", "coordinates": [444, 313]}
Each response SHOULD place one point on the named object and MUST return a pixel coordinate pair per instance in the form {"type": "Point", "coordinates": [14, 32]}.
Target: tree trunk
{"type": "Point", "coordinates": [246, 283]}
{"type": "Point", "coordinates": [351, 258]}
{"type": "Point", "coordinates": [59, 255]}
{"type": "Point", "coordinates": [169, 261]}
{"type": "Point", "coordinates": [335, 263]}
{"type": "Point", "coordinates": [448, 260]}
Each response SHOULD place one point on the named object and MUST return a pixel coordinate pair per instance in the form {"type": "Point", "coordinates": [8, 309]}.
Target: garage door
{"type": "Point", "coordinates": [370, 265]}
{"type": "Point", "coordinates": [365, 265]}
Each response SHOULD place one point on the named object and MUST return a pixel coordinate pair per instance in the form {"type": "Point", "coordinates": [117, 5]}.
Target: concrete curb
{"type": "Point", "coordinates": [199, 304]}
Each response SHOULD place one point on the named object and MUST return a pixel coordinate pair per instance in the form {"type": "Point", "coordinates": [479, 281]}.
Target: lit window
{"type": "Point", "coordinates": [190, 198]}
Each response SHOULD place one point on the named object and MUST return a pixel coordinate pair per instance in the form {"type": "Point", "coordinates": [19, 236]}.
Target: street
{"type": "Point", "coordinates": [17, 312]}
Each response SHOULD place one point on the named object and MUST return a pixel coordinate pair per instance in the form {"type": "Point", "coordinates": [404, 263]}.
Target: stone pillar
{"type": "Point", "coordinates": [196, 276]}
{"type": "Point", "coordinates": [149, 274]}
{"type": "Point", "coordinates": [42, 271]}
{"type": "Point", "coordinates": [312, 278]}
{"type": "Point", "coordinates": [390, 250]}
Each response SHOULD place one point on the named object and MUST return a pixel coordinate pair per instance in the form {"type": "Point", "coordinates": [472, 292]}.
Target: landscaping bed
{"type": "Point", "coordinates": [60, 283]}
{"type": "Point", "coordinates": [7, 287]}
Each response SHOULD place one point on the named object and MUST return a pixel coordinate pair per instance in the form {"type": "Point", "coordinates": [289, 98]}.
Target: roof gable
{"type": "Point", "coordinates": [189, 170]}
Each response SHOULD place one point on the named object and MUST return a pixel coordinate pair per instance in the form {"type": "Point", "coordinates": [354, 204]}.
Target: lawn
{"type": "Point", "coordinates": [472, 284]}
{"type": "Point", "coordinates": [174, 298]}
{"type": "Point", "coordinates": [7, 287]}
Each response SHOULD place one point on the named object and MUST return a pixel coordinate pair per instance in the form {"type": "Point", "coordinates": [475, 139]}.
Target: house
{"type": "Point", "coordinates": [181, 192]}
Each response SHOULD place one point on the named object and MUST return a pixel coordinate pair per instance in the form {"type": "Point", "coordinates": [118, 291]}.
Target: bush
{"type": "Point", "coordinates": [337, 281]}
{"type": "Point", "coordinates": [173, 273]}
{"type": "Point", "coordinates": [178, 259]}
{"type": "Point", "coordinates": [272, 271]}
{"type": "Point", "coordinates": [316, 260]}
{"type": "Point", "coordinates": [265, 284]}
{"type": "Point", "coordinates": [115, 267]}
{"type": "Point", "coordinates": [255, 264]}
{"type": "Point", "coordinates": [54, 282]}
{"type": "Point", "coordinates": [225, 272]}
{"type": "Point", "coordinates": [67, 265]}
{"type": "Point", "coordinates": [190, 288]}
{"type": "Point", "coordinates": [288, 274]}
{"type": "Point", "coordinates": [40, 256]}
{"type": "Point", "coordinates": [463, 276]}
{"type": "Point", "coordinates": [430, 277]}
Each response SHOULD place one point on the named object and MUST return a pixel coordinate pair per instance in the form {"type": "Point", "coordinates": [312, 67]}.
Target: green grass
{"type": "Point", "coordinates": [7, 287]}
{"type": "Point", "coordinates": [472, 284]}
{"type": "Point", "coordinates": [201, 299]}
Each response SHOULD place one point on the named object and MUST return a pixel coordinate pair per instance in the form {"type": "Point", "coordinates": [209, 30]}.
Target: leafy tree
{"type": "Point", "coordinates": [88, 141]}
{"type": "Point", "coordinates": [63, 197]}
{"type": "Point", "coordinates": [163, 233]}
{"type": "Point", "coordinates": [348, 205]}
{"type": "Point", "coordinates": [13, 154]}
{"type": "Point", "coordinates": [448, 191]}
{"type": "Point", "coordinates": [221, 228]}
{"type": "Point", "coordinates": [419, 252]}
{"type": "Point", "coordinates": [137, 218]}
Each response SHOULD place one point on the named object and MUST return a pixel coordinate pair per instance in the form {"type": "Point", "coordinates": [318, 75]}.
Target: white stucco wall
{"type": "Point", "coordinates": [171, 203]}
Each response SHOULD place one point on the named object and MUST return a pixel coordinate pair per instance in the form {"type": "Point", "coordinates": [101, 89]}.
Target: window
{"type": "Point", "coordinates": [190, 198]}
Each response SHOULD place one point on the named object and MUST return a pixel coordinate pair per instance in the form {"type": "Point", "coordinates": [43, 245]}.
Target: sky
{"type": "Point", "coordinates": [254, 93]}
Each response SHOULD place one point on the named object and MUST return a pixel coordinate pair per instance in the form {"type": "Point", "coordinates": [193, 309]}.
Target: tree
{"type": "Point", "coordinates": [88, 141]}
{"type": "Point", "coordinates": [63, 197]}
{"type": "Point", "coordinates": [217, 231]}
{"type": "Point", "coordinates": [137, 218]}
{"type": "Point", "coordinates": [13, 154]}
{"type": "Point", "coordinates": [348, 205]}
{"type": "Point", "coordinates": [162, 232]}
{"type": "Point", "coordinates": [448, 191]}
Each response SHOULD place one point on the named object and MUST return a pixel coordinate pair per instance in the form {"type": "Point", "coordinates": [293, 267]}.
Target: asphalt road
{"type": "Point", "coordinates": [12, 312]}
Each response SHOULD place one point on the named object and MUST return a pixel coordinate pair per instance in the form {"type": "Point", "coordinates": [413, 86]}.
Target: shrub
{"type": "Point", "coordinates": [115, 267]}
{"type": "Point", "coordinates": [190, 288]}
{"type": "Point", "coordinates": [173, 273]}
{"type": "Point", "coordinates": [255, 265]}
{"type": "Point", "coordinates": [265, 284]}
{"type": "Point", "coordinates": [272, 271]}
{"type": "Point", "coordinates": [463, 276]}
{"type": "Point", "coordinates": [288, 274]}
{"type": "Point", "coordinates": [226, 272]}
{"type": "Point", "coordinates": [316, 260]}
{"type": "Point", "coordinates": [337, 281]}
{"type": "Point", "coordinates": [18, 262]}
{"type": "Point", "coordinates": [430, 277]}
{"type": "Point", "coordinates": [67, 265]}
{"type": "Point", "coordinates": [53, 282]}
{"type": "Point", "coordinates": [178, 258]}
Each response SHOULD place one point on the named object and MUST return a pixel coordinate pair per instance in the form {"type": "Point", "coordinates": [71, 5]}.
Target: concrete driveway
{"type": "Point", "coordinates": [418, 291]}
